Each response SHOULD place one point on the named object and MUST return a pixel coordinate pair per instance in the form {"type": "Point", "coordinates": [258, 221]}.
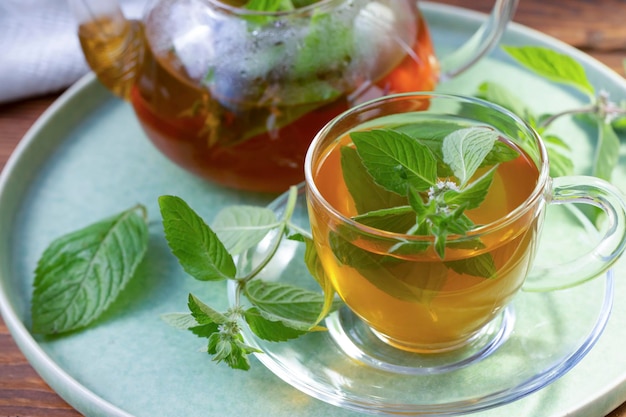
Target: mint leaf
{"type": "Point", "coordinates": [183, 321]}
{"type": "Point", "coordinates": [204, 314]}
{"type": "Point", "coordinates": [391, 275]}
{"type": "Point", "coordinates": [273, 331]}
{"type": "Point", "coordinates": [327, 49]}
{"type": "Point", "coordinates": [293, 306]}
{"type": "Point", "coordinates": [240, 228]}
{"type": "Point", "coordinates": [501, 152]}
{"type": "Point", "coordinates": [315, 268]}
{"type": "Point", "coordinates": [225, 342]}
{"type": "Point", "coordinates": [198, 249]}
{"type": "Point", "coordinates": [431, 132]}
{"type": "Point", "coordinates": [465, 149]}
{"type": "Point", "coordinates": [479, 266]}
{"type": "Point", "coordinates": [552, 65]}
{"type": "Point", "coordinates": [607, 150]}
{"type": "Point", "coordinates": [395, 160]}
{"type": "Point", "coordinates": [366, 194]}
{"type": "Point", "coordinates": [397, 219]}
{"type": "Point", "coordinates": [502, 96]}
{"type": "Point", "coordinates": [230, 349]}
{"type": "Point", "coordinates": [474, 194]}
{"type": "Point", "coordinates": [558, 154]}
{"type": "Point", "coordinates": [619, 122]}
{"type": "Point", "coordinates": [446, 223]}
{"type": "Point", "coordinates": [268, 5]}
{"type": "Point", "coordinates": [80, 274]}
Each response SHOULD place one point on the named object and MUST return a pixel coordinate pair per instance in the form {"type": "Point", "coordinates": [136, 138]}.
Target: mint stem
{"type": "Point", "coordinates": [289, 209]}
{"type": "Point", "coordinates": [587, 109]}
{"type": "Point", "coordinates": [603, 108]}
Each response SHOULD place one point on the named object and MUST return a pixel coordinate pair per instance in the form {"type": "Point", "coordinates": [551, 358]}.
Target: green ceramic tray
{"type": "Point", "coordinates": [87, 158]}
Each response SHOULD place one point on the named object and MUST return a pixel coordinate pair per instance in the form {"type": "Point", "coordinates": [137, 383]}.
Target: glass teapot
{"type": "Point", "coordinates": [235, 90]}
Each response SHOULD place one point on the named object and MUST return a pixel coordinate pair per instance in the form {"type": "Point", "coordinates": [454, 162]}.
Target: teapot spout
{"type": "Point", "coordinates": [113, 45]}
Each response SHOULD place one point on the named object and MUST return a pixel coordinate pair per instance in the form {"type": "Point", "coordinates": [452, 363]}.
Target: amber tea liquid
{"type": "Point", "coordinates": [220, 137]}
{"type": "Point", "coordinates": [416, 302]}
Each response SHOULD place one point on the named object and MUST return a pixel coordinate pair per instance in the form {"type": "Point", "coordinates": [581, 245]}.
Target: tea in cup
{"type": "Point", "coordinates": [235, 94]}
{"type": "Point", "coordinates": [426, 211]}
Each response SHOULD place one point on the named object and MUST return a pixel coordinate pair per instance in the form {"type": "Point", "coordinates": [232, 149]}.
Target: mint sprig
{"type": "Point", "coordinates": [418, 179]}
{"type": "Point", "coordinates": [274, 311]}
{"type": "Point", "coordinates": [605, 115]}
{"type": "Point", "coordinates": [599, 112]}
{"type": "Point", "coordinates": [405, 166]}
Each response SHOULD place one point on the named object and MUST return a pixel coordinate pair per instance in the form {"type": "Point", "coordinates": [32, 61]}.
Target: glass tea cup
{"type": "Point", "coordinates": [235, 95]}
{"type": "Point", "coordinates": [418, 293]}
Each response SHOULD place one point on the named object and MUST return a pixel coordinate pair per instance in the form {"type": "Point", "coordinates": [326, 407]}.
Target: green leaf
{"type": "Point", "coordinates": [446, 223]}
{"type": "Point", "coordinates": [80, 274]}
{"type": "Point", "coordinates": [230, 349]}
{"type": "Point", "coordinates": [431, 132]}
{"type": "Point", "coordinates": [464, 150]}
{"type": "Point", "coordinates": [397, 219]}
{"type": "Point", "coordinates": [501, 152]}
{"type": "Point", "coordinates": [328, 48]}
{"type": "Point", "coordinates": [203, 313]}
{"type": "Point", "coordinates": [225, 342]}
{"type": "Point", "coordinates": [183, 321]}
{"type": "Point", "coordinates": [205, 330]}
{"type": "Point", "coordinates": [273, 331]}
{"type": "Point", "coordinates": [186, 321]}
{"type": "Point", "coordinates": [391, 275]}
{"type": "Point", "coordinates": [268, 5]}
{"type": "Point", "coordinates": [293, 306]}
{"type": "Point", "coordinates": [198, 249]}
{"type": "Point", "coordinates": [556, 142]}
{"type": "Point", "coordinates": [619, 124]}
{"type": "Point", "coordinates": [395, 160]}
{"type": "Point", "coordinates": [607, 151]}
{"type": "Point", "coordinates": [479, 266]}
{"type": "Point", "coordinates": [555, 66]}
{"type": "Point", "coordinates": [419, 207]}
{"type": "Point", "coordinates": [474, 194]}
{"type": "Point", "coordinates": [502, 96]}
{"type": "Point", "coordinates": [366, 194]}
{"type": "Point", "coordinates": [240, 228]}
{"type": "Point", "coordinates": [315, 268]}
{"type": "Point", "coordinates": [558, 154]}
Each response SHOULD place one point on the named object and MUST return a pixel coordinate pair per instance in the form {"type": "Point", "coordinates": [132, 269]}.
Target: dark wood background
{"type": "Point", "coordinates": [597, 27]}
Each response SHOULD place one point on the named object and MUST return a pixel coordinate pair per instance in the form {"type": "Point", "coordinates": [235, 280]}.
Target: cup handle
{"type": "Point", "coordinates": [483, 40]}
{"type": "Point", "coordinates": [599, 193]}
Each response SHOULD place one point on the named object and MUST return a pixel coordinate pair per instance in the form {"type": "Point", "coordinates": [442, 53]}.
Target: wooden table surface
{"type": "Point", "coordinates": [597, 27]}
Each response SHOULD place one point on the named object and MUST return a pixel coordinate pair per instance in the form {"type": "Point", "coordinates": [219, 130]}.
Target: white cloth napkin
{"type": "Point", "coordinates": [39, 46]}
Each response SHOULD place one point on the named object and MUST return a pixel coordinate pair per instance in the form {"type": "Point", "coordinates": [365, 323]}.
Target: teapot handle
{"type": "Point", "coordinates": [483, 40]}
{"type": "Point", "coordinates": [113, 45]}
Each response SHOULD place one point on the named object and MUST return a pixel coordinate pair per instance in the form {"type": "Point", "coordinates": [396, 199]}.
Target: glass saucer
{"type": "Point", "coordinates": [536, 340]}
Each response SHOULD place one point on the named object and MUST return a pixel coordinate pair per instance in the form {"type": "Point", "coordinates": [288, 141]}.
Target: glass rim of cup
{"type": "Point", "coordinates": [535, 197]}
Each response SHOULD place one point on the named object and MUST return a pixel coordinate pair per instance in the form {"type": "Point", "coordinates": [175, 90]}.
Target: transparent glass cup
{"type": "Point", "coordinates": [415, 300]}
